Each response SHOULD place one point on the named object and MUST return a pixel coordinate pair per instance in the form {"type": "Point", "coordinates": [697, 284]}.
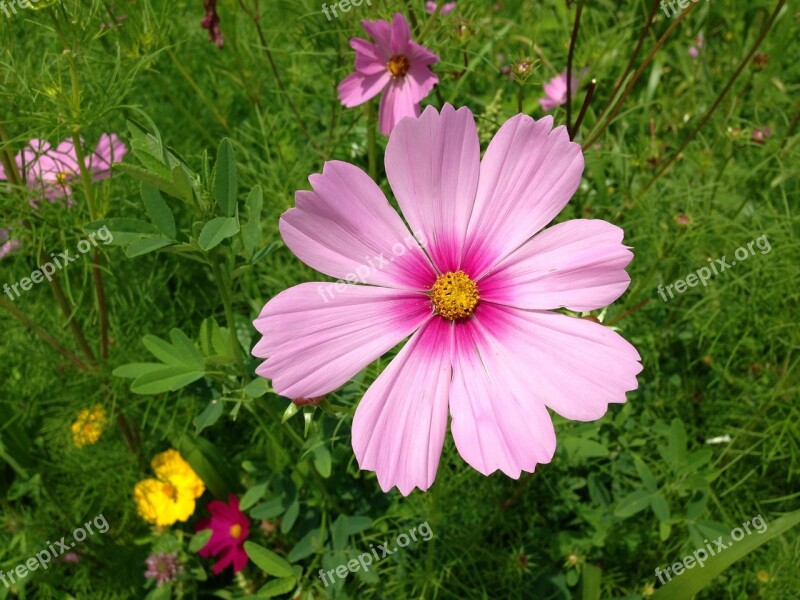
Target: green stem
{"type": "Point", "coordinates": [224, 286]}
{"type": "Point", "coordinates": [372, 123]}
{"type": "Point", "coordinates": [20, 316]}
{"type": "Point", "coordinates": [692, 134]}
{"type": "Point", "coordinates": [618, 106]}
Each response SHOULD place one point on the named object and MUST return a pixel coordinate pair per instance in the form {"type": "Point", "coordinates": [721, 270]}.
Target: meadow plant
{"type": "Point", "coordinates": [406, 245]}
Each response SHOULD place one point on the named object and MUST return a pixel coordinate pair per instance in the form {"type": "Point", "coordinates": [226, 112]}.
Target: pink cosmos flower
{"type": "Point", "coordinates": [50, 170]}
{"type": "Point", "coordinates": [448, 7]}
{"type": "Point", "coordinates": [556, 91]}
{"type": "Point", "coordinates": [7, 244]}
{"type": "Point", "coordinates": [394, 64]}
{"type": "Point", "coordinates": [475, 295]}
{"type": "Point", "coordinates": [230, 528]}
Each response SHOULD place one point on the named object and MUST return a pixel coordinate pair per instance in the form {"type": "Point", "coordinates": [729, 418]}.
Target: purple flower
{"type": "Point", "coordinates": [163, 567]}
{"type": "Point", "coordinates": [449, 7]}
{"type": "Point", "coordinates": [761, 134]}
{"type": "Point", "coordinates": [211, 22]}
{"type": "Point", "coordinates": [395, 65]}
{"type": "Point", "coordinates": [556, 91]}
{"type": "Point", "coordinates": [7, 245]}
{"type": "Point", "coordinates": [50, 171]}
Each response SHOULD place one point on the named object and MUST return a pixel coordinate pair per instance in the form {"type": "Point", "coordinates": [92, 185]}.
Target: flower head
{"type": "Point", "coordinates": [760, 135]}
{"type": "Point", "coordinates": [556, 91]}
{"type": "Point", "coordinates": [164, 567]}
{"type": "Point", "coordinates": [88, 426]}
{"type": "Point", "coordinates": [395, 65]}
{"type": "Point", "coordinates": [474, 287]}
{"type": "Point", "coordinates": [230, 527]}
{"type": "Point", "coordinates": [211, 22]}
{"type": "Point", "coordinates": [171, 497]}
{"type": "Point", "coordinates": [448, 7]}
{"type": "Point", "coordinates": [7, 243]}
{"type": "Point", "coordinates": [51, 171]}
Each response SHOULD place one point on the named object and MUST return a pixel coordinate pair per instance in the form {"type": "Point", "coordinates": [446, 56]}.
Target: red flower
{"type": "Point", "coordinates": [230, 528]}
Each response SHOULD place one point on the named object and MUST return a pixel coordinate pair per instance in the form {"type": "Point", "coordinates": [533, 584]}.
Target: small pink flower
{"type": "Point", "coordinates": [163, 567]}
{"type": "Point", "coordinates": [51, 171]}
{"type": "Point", "coordinates": [211, 22]}
{"type": "Point", "coordinates": [700, 41]}
{"type": "Point", "coordinates": [694, 52]}
{"type": "Point", "coordinates": [556, 91]}
{"type": "Point", "coordinates": [7, 244]}
{"type": "Point", "coordinates": [474, 288]}
{"type": "Point", "coordinates": [761, 134]}
{"type": "Point", "coordinates": [395, 65]}
{"type": "Point", "coordinates": [230, 528]}
{"type": "Point", "coordinates": [448, 7]}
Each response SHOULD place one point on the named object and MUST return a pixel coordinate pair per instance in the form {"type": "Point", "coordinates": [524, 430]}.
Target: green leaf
{"type": "Point", "coordinates": [269, 509]}
{"type": "Point", "coordinates": [186, 349]}
{"type": "Point", "coordinates": [693, 580]}
{"type": "Point", "coordinates": [677, 441]}
{"type": "Point", "coordinates": [267, 560]}
{"type": "Point", "coordinates": [645, 474]}
{"type": "Point", "coordinates": [660, 507]}
{"type": "Point", "coordinates": [583, 448]}
{"type": "Point", "coordinates": [226, 182]}
{"type": "Point", "coordinates": [265, 251]}
{"type": "Point", "coordinates": [147, 245]}
{"type": "Point", "coordinates": [290, 517]}
{"type": "Point", "coordinates": [590, 583]}
{"type": "Point", "coordinates": [157, 181]}
{"type": "Point", "coordinates": [208, 417]}
{"type": "Point", "coordinates": [134, 370]}
{"type": "Point", "coordinates": [253, 495]}
{"type": "Point", "coordinates": [251, 231]}
{"type": "Point", "coordinates": [276, 587]}
{"type": "Point", "coordinates": [163, 351]}
{"type": "Point", "coordinates": [158, 210]}
{"type": "Point", "coordinates": [123, 231]}
{"type": "Point", "coordinates": [199, 540]}
{"type": "Point", "coordinates": [344, 527]}
{"type": "Point", "coordinates": [633, 503]}
{"type": "Point", "coordinates": [166, 379]}
{"type": "Point", "coordinates": [322, 461]}
{"type": "Point", "coordinates": [217, 230]}
{"type": "Point", "coordinates": [257, 388]}
{"type": "Point", "coordinates": [309, 544]}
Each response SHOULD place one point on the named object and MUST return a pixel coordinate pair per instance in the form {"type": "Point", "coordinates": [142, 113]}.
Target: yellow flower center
{"type": "Point", "coordinates": [61, 177]}
{"type": "Point", "coordinates": [235, 530]}
{"type": "Point", "coordinates": [398, 65]}
{"type": "Point", "coordinates": [169, 490]}
{"type": "Point", "coordinates": [454, 295]}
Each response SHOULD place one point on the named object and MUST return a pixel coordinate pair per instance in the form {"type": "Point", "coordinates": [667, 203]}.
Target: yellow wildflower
{"type": "Point", "coordinates": [170, 497]}
{"type": "Point", "coordinates": [170, 466]}
{"type": "Point", "coordinates": [88, 426]}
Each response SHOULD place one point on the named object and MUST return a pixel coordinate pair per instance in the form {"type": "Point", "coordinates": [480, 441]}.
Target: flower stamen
{"type": "Point", "coordinates": [398, 65]}
{"type": "Point", "coordinates": [454, 295]}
